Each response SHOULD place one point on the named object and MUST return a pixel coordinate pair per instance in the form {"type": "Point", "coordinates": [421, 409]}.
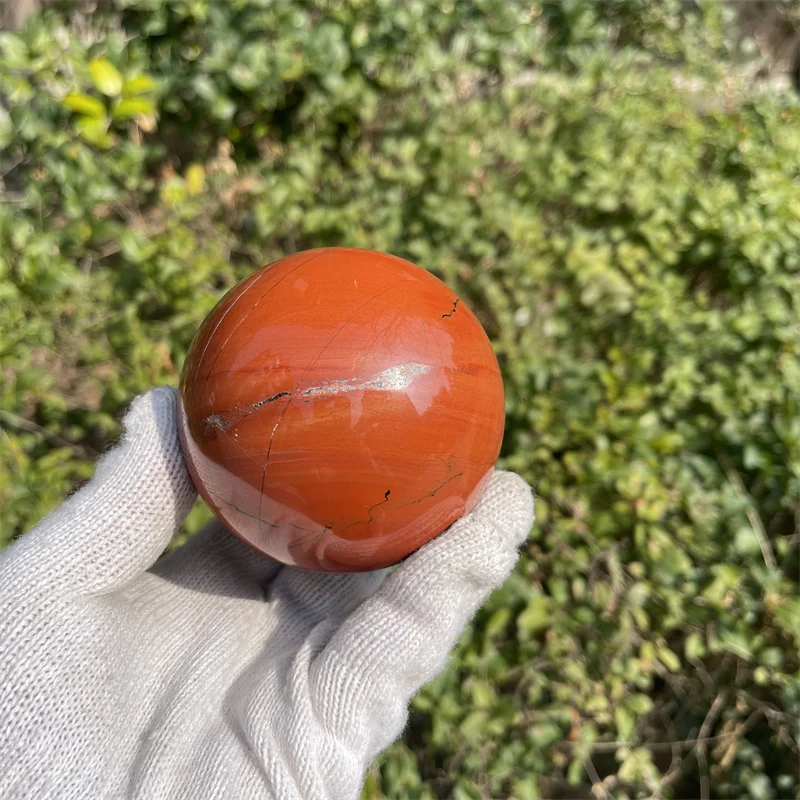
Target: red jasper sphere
{"type": "Point", "coordinates": [340, 408]}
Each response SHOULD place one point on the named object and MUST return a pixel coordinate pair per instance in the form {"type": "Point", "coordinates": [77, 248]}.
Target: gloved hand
{"type": "Point", "coordinates": [216, 672]}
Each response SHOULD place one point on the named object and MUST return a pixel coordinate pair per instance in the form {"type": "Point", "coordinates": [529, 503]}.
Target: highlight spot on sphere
{"type": "Point", "coordinates": [340, 408]}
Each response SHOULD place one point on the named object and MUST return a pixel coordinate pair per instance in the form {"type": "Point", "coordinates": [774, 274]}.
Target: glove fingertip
{"type": "Point", "coordinates": [117, 525]}
{"type": "Point", "coordinates": [507, 503]}
{"type": "Point", "coordinates": [157, 405]}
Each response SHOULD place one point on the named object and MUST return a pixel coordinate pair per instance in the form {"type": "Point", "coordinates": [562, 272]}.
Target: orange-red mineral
{"type": "Point", "coordinates": [340, 408]}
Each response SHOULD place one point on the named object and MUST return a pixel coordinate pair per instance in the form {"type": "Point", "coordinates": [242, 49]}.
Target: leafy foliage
{"type": "Point", "coordinates": [627, 232]}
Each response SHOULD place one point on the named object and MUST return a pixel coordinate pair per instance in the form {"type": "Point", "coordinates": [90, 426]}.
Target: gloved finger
{"type": "Point", "coordinates": [302, 599]}
{"type": "Point", "coordinates": [401, 637]}
{"type": "Point", "coordinates": [117, 525]}
{"type": "Point", "coordinates": [215, 562]}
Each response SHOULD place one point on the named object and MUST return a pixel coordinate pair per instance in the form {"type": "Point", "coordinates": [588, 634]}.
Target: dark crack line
{"type": "Point", "coordinates": [269, 448]}
{"type": "Point", "coordinates": [344, 325]}
{"type": "Point", "coordinates": [253, 281]}
{"type": "Point", "coordinates": [392, 378]}
{"type": "Point", "coordinates": [272, 524]}
{"type": "Point", "coordinates": [216, 421]}
{"type": "Point", "coordinates": [437, 489]}
{"type": "Point", "coordinates": [382, 502]}
{"type": "Point", "coordinates": [263, 480]}
{"type": "Point", "coordinates": [241, 510]}
{"type": "Point", "coordinates": [223, 420]}
{"type": "Point", "coordinates": [211, 369]}
{"type": "Point", "coordinates": [257, 280]}
{"type": "Point", "coordinates": [453, 310]}
{"type": "Point", "coordinates": [312, 365]}
{"type": "Point", "coordinates": [268, 400]}
{"type": "Point", "coordinates": [370, 509]}
{"type": "Point", "coordinates": [222, 425]}
{"type": "Point", "coordinates": [257, 303]}
{"type": "Point", "coordinates": [244, 452]}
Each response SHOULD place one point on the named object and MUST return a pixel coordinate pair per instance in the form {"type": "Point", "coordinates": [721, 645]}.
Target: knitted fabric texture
{"type": "Point", "coordinates": [215, 672]}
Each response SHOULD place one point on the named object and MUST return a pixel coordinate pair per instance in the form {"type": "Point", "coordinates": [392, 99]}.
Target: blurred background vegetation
{"type": "Point", "coordinates": [613, 186]}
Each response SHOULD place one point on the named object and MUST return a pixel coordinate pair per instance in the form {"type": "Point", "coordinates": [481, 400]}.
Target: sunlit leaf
{"type": "Point", "coordinates": [86, 105]}
{"type": "Point", "coordinates": [106, 77]}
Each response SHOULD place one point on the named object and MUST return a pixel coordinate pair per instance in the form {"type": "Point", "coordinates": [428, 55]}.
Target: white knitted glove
{"type": "Point", "coordinates": [216, 673]}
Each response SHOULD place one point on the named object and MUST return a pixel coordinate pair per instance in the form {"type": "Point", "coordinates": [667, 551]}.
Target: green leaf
{"type": "Point", "coordinates": [474, 725]}
{"type": "Point", "coordinates": [788, 617]}
{"type": "Point", "coordinates": [135, 246]}
{"type": "Point", "coordinates": [483, 694]}
{"type": "Point", "coordinates": [737, 643]}
{"type": "Point", "coordinates": [106, 77]}
{"type": "Point", "coordinates": [761, 676]}
{"type": "Point", "coordinates": [772, 657]}
{"type": "Point", "coordinates": [543, 734]}
{"type": "Point", "coordinates": [133, 107]}
{"type": "Point", "coordinates": [638, 765]}
{"type": "Point", "coordinates": [639, 704]}
{"type": "Point", "coordinates": [14, 49]}
{"type": "Point", "coordinates": [6, 128]}
{"type": "Point", "coordinates": [223, 107]}
{"type": "Point", "coordinates": [745, 541]}
{"type": "Point", "coordinates": [535, 616]}
{"type": "Point", "coordinates": [136, 85]}
{"type": "Point", "coordinates": [625, 723]}
{"type": "Point", "coordinates": [694, 647]}
{"type": "Point", "coordinates": [760, 787]}
{"type": "Point", "coordinates": [527, 788]}
{"type": "Point", "coordinates": [463, 793]}
{"type": "Point", "coordinates": [195, 179]}
{"type": "Point", "coordinates": [497, 622]}
{"type": "Point", "coordinates": [575, 772]}
{"type": "Point", "coordinates": [84, 104]}
{"type": "Point", "coordinates": [94, 131]}
{"type": "Point", "coordinates": [668, 659]}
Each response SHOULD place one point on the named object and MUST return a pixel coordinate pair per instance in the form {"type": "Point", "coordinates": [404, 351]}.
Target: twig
{"type": "Point", "coordinates": [675, 770]}
{"type": "Point", "coordinates": [682, 744]}
{"type": "Point", "coordinates": [109, 250]}
{"type": "Point", "coordinates": [768, 708]}
{"type": "Point", "coordinates": [702, 751]}
{"type": "Point", "coordinates": [598, 788]}
{"type": "Point", "coordinates": [752, 515]}
{"type": "Point", "coordinates": [32, 427]}
{"type": "Point", "coordinates": [677, 747]}
{"type": "Point", "coordinates": [11, 167]}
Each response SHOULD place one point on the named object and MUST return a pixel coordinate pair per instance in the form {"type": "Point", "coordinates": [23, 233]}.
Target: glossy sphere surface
{"type": "Point", "coordinates": [340, 408]}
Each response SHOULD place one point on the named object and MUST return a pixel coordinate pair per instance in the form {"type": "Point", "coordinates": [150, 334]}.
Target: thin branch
{"type": "Point", "coordinates": [681, 744]}
{"type": "Point", "coordinates": [752, 515]}
{"type": "Point", "coordinates": [768, 708]}
{"type": "Point", "coordinates": [598, 787]}
{"type": "Point", "coordinates": [11, 167]}
{"type": "Point", "coordinates": [675, 770]}
{"type": "Point", "coordinates": [702, 751]}
{"type": "Point", "coordinates": [32, 427]}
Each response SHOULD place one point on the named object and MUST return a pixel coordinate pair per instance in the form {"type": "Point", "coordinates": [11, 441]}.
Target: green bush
{"type": "Point", "coordinates": [631, 245]}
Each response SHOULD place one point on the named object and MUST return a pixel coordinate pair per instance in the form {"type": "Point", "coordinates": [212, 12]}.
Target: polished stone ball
{"type": "Point", "coordinates": [340, 408]}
